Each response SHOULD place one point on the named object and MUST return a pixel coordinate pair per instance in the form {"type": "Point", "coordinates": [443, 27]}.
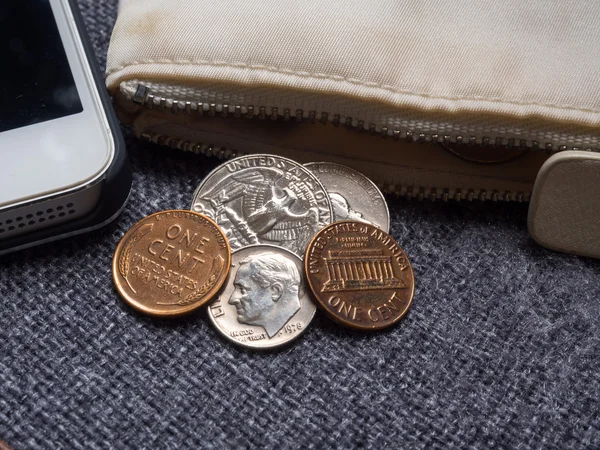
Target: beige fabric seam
{"type": "Point", "coordinates": [357, 82]}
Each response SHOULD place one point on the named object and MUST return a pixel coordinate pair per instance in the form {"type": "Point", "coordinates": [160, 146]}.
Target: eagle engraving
{"type": "Point", "coordinates": [261, 206]}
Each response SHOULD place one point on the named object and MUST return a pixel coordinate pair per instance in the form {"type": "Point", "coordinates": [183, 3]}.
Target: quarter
{"type": "Point", "coordinates": [264, 303]}
{"type": "Point", "coordinates": [359, 275]}
{"type": "Point", "coordinates": [353, 196]}
{"type": "Point", "coordinates": [171, 263]}
{"type": "Point", "coordinates": [265, 199]}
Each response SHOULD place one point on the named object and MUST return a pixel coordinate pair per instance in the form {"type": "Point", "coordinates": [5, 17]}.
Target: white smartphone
{"type": "Point", "coordinates": [63, 166]}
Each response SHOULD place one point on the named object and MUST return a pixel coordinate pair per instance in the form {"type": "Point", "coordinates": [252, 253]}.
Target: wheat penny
{"type": "Point", "coordinates": [359, 275]}
{"type": "Point", "coordinates": [171, 263]}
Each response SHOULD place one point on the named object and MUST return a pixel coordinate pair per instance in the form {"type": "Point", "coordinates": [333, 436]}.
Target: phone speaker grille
{"type": "Point", "coordinates": [26, 219]}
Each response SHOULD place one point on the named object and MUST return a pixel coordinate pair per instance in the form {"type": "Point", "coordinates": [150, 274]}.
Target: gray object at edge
{"type": "Point", "coordinates": [265, 199]}
{"type": "Point", "coordinates": [353, 195]}
{"type": "Point", "coordinates": [265, 302]}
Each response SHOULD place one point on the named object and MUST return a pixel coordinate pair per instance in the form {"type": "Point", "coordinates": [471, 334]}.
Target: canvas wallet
{"type": "Point", "coordinates": [433, 99]}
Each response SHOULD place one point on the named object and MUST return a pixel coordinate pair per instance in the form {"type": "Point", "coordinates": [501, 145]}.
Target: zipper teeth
{"type": "Point", "coordinates": [408, 192]}
{"type": "Point", "coordinates": [144, 97]}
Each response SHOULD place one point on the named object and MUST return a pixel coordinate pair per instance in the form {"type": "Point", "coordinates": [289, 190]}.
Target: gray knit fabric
{"type": "Point", "coordinates": [500, 349]}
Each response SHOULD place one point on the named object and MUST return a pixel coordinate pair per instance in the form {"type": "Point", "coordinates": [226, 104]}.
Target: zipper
{"type": "Point", "coordinates": [408, 192]}
{"type": "Point", "coordinates": [145, 98]}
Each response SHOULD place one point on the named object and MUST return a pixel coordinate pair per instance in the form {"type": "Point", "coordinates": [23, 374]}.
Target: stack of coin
{"type": "Point", "coordinates": [297, 233]}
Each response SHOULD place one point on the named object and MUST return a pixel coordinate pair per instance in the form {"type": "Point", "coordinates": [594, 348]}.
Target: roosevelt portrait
{"type": "Point", "coordinates": [266, 291]}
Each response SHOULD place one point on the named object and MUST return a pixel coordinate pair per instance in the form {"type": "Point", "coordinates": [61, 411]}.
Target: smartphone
{"type": "Point", "coordinates": [63, 167]}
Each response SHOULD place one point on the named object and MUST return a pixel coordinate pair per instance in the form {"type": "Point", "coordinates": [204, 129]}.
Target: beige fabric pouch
{"type": "Point", "coordinates": [438, 99]}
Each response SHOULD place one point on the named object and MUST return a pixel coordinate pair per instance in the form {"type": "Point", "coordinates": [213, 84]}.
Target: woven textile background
{"type": "Point", "coordinates": [501, 348]}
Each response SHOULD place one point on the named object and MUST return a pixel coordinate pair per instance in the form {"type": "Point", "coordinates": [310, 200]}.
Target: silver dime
{"type": "Point", "coordinates": [353, 195]}
{"type": "Point", "coordinates": [265, 302]}
{"type": "Point", "coordinates": [265, 199]}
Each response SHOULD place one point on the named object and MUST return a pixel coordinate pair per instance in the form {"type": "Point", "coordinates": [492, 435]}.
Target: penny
{"type": "Point", "coordinates": [265, 199]}
{"type": "Point", "coordinates": [353, 195]}
{"type": "Point", "coordinates": [265, 302]}
{"type": "Point", "coordinates": [359, 275]}
{"type": "Point", "coordinates": [171, 263]}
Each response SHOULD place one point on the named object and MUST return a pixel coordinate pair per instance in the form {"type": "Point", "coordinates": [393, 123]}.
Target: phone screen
{"type": "Point", "coordinates": [36, 83]}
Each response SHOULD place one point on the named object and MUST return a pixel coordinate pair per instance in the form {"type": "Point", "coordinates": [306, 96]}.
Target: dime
{"type": "Point", "coordinates": [171, 263]}
{"type": "Point", "coordinates": [353, 196]}
{"type": "Point", "coordinates": [265, 199]}
{"type": "Point", "coordinates": [265, 302]}
{"type": "Point", "coordinates": [359, 275]}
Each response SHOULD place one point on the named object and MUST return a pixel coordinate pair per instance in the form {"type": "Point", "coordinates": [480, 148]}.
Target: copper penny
{"type": "Point", "coordinates": [359, 275]}
{"type": "Point", "coordinates": [171, 263]}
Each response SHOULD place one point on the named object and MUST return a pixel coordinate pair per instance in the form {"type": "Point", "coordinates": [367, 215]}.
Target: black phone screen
{"type": "Point", "coordinates": [36, 82]}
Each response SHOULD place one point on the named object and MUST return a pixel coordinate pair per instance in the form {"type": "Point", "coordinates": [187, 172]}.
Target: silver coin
{"type": "Point", "coordinates": [265, 302]}
{"type": "Point", "coordinates": [265, 199]}
{"type": "Point", "coordinates": [353, 196]}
